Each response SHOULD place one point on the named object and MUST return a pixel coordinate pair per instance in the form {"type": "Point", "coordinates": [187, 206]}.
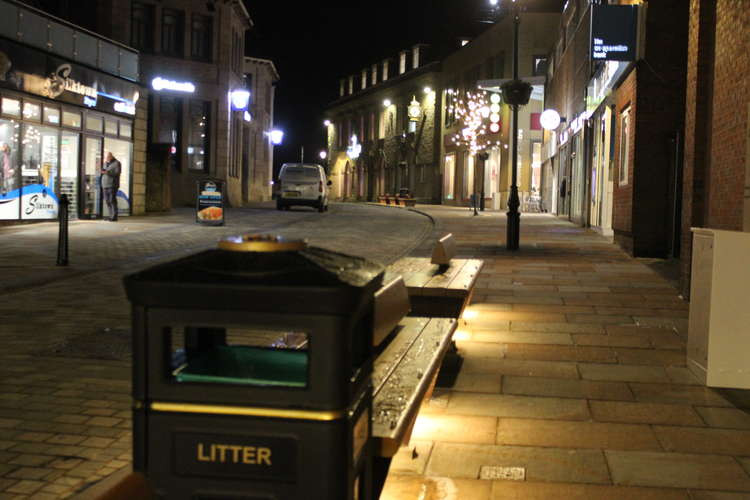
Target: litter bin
{"type": "Point", "coordinates": [252, 372]}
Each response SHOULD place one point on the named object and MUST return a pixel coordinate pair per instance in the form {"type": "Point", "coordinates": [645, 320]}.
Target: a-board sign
{"type": "Point", "coordinates": [209, 202]}
{"type": "Point", "coordinates": [614, 30]}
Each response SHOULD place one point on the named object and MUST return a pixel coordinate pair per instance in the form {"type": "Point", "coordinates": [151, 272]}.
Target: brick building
{"type": "Point", "coordinates": [192, 59]}
{"type": "Point", "coordinates": [716, 170]}
{"type": "Point", "coordinates": [257, 161]}
{"type": "Point", "coordinates": [615, 163]}
{"type": "Point", "coordinates": [375, 144]}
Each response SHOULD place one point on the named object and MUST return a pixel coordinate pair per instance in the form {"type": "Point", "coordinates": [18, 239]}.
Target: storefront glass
{"type": "Point", "coordinates": [69, 170]}
{"type": "Point", "coordinates": [468, 176]}
{"type": "Point", "coordinates": [92, 165]}
{"type": "Point", "coordinates": [122, 151]}
{"type": "Point", "coordinates": [448, 175]}
{"type": "Point", "coordinates": [39, 169]}
{"type": "Point", "coordinates": [9, 172]}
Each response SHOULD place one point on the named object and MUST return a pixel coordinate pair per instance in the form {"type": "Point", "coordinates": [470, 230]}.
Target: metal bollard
{"type": "Point", "coordinates": [62, 236]}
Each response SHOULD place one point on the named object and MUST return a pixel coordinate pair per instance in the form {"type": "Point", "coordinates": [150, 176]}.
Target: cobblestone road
{"type": "Point", "coordinates": [64, 365]}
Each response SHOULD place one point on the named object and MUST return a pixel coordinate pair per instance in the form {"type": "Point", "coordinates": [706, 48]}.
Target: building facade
{"type": "Point", "coordinates": [382, 131]}
{"type": "Point", "coordinates": [477, 69]}
{"type": "Point", "coordinates": [615, 164]}
{"type": "Point", "coordinates": [67, 97]}
{"type": "Point", "coordinates": [257, 162]}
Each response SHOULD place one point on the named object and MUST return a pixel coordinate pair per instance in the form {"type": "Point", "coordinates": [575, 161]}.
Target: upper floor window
{"type": "Point", "coordinates": [200, 37]}
{"type": "Point", "coordinates": [142, 26]}
{"type": "Point", "coordinates": [539, 67]}
{"type": "Point", "coordinates": [172, 30]}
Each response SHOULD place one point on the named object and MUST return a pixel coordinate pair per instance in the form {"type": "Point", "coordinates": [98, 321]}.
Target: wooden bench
{"type": "Point", "coordinates": [402, 201]}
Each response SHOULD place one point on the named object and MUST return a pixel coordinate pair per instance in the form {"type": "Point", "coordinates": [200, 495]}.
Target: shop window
{"type": "Point", "coordinates": [110, 127]}
{"type": "Point", "coordinates": [51, 115]}
{"type": "Point", "coordinates": [69, 145]}
{"type": "Point", "coordinates": [172, 29]}
{"type": "Point", "coordinates": [39, 172]}
{"type": "Point", "coordinates": [71, 119]}
{"type": "Point", "coordinates": [624, 146]}
{"type": "Point", "coordinates": [468, 176]}
{"type": "Point", "coordinates": [11, 107]}
{"type": "Point", "coordinates": [94, 123]}
{"type": "Point", "coordinates": [198, 142]}
{"type": "Point", "coordinates": [448, 175]}
{"type": "Point", "coordinates": [126, 129]}
{"type": "Point", "coordinates": [170, 120]}
{"type": "Point", "coordinates": [32, 111]}
{"type": "Point", "coordinates": [200, 37]}
{"type": "Point", "coordinates": [142, 26]}
{"type": "Point", "coordinates": [10, 175]}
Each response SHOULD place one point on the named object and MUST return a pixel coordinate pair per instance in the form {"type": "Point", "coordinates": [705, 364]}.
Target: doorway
{"type": "Point", "coordinates": [91, 192]}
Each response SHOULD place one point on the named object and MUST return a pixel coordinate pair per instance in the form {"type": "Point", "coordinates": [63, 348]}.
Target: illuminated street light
{"type": "Point", "coordinates": [323, 155]}
{"type": "Point", "coordinates": [327, 123]}
{"type": "Point", "coordinates": [386, 102]}
{"type": "Point", "coordinates": [427, 90]}
{"type": "Point", "coordinates": [240, 98]}
{"type": "Point", "coordinates": [276, 136]}
{"type": "Point", "coordinates": [550, 119]}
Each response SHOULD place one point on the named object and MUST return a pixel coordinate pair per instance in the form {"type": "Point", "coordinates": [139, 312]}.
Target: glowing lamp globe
{"type": "Point", "coordinates": [550, 119]}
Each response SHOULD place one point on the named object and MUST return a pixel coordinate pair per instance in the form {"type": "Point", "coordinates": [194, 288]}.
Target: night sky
{"type": "Point", "coordinates": [313, 44]}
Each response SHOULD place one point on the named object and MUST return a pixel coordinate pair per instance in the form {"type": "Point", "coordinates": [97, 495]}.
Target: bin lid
{"type": "Point", "coordinates": [263, 272]}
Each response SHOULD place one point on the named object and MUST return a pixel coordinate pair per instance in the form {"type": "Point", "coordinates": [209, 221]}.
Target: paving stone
{"type": "Point", "coordinates": [717, 495]}
{"type": "Point", "coordinates": [566, 388]}
{"type": "Point", "coordinates": [556, 327]}
{"type": "Point", "coordinates": [507, 490]}
{"type": "Point", "coordinates": [498, 405]}
{"type": "Point", "coordinates": [644, 413]}
{"type": "Point", "coordinates": [729, 418]}
{"type": "Point", "coordinates": [480, 350]}
{"type": "Point", "coordinates": [521, 337]}
{"type": "Point", "coordinates": [541, 464]}
{"type": "Point", "coordinates": [677, 470]}
{"type": "Point", "coordinates": [399, 487]}
{"type": "Point", "coordinates": [478, 382]}
{"type": "Point", "coordinates": [67, 439]}
{"type": "Point", "coordinates": [553, 369]}
{"type": "Point", "coordinates": [33, 436]}
{"type": "Point", "coordinates": [25, 487]}
{"type": "Point", "coordinates": [31, 460]}
{"type": "Point", "coordinates": [610, 340]}
{"type": "Point", "coordinates": [34, 473]}
{"type": "Point", "coordinates": [650, 357]}
{"type": "Point", "coordinates": [623, 373]}
{"type": "Point", "coordinates": [702, 440]}
{"type": "Point", "coordinates": [673, 393]}
{"type": "Point", "coordinates": [455, 428]}
{"type": "Point", "coordinates": [681, 375]}
{"type": "Point", "coordinates": [411, 459]}
{"type": "Point", "coordinates": [560, 353]}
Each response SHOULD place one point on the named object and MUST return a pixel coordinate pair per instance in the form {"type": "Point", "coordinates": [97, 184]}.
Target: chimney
{"type": "Point", "coordinates": [402, 62]}
{"type": "Point", "coordinates": [386, 65]}
{"type": "Point", "coordinates": [342, 85]}
{"type": "Point", "coordinates": [374, 74]}
{"type": "Point", "coordinates": [364, 78]}
{"type": "Point", "coordinates": [351, 85]}
{"type": "Point", "coordinates": [415, 53]}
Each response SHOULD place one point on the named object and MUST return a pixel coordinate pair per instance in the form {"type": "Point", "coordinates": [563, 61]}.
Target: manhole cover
{"type": "Point", "coordinates": [507, 473]}
{"type": "Point", "coordinates": [108, 343]}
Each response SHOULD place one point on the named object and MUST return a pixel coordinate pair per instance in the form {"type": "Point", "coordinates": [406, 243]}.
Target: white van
{"type": "Point", "coordinates": [302, 184]}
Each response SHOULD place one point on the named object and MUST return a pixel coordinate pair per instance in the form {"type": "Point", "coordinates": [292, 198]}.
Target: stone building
{"type": "Point", "coordinates": [382, 133]}
{"type": "Point", "coordinates": [480, 66]}
{"type": "Point", "coordinates": [615, 163]}
{"type": "Point", "coordinates": [257, 161]}
{"type": "Point", "coordinates": [192, 60]}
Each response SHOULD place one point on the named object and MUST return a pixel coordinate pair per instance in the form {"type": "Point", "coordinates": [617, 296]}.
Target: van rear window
{"type": "Point", "coordinates": [301, 172]}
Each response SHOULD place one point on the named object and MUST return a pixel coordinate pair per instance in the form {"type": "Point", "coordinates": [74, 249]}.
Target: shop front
{"type": "Point", "coordinates": [58, 120]}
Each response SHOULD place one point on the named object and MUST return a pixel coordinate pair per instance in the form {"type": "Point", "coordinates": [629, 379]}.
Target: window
{"type": "Point", "coordinates": [468, 175]}
{"type": "Point", "coordinates": [142, 26]}
{"type": "Point", "coordinates": [448, 174]}
{"type": "Point", "coordinates": [11, 107]}
{"type": "Point", "coordinates": [39, 167]}
{"type": "Point", "coordinates": [624, 146]}
{"type": "Point", "coordinates": [94, 123]}
{"type": "Point", "coordinates": [110, 127]}
{"type": "Point", "coordinates": [170, 119]}
{"type": "Point", "coordinates": [237, 52]}
{"type": "Point", "coordinates": [71, 119]}
{"type": "Point", "coordinates": [172, 33]}
{"type": "Point", "coordinates": [499, 66]}
{"type": "Point", "coordinates": [126, 129]}
{"type": "Point", "coordinates": [539, 66]}
{"type": "Point", "coordinates": [52, 115]}
{"type": "Point", "coordinates": [200, 38]}
{"type": "Point", "coordinates": [402, 63]}
{"type": "Point", "coordinates": [32, 111]}
{"type": "Point", "coordinates": [198, 135]}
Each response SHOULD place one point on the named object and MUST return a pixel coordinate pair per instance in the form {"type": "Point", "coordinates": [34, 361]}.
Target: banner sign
{"type": "Point", "coordinates": [209, 205]}
{"type": "Point", "coordinates": [614, 30]}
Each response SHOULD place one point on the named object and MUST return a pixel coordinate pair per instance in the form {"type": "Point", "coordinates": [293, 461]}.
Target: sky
{"type": "Point", "coordinates": [314, 44]}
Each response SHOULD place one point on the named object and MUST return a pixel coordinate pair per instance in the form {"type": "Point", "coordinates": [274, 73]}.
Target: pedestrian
{"type": "Point", "coordinates": [111, 183]}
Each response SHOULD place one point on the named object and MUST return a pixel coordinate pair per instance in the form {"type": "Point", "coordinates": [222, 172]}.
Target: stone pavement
{"type": "Point", "coordinates": [65, 402]}
{"type": "Point", "coordinates": [573, 382]}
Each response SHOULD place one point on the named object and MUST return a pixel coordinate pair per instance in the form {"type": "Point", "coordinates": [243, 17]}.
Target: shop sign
{"type": "Point", "coordinates": [209, 204]}
{"type": "Point", "coordinates": [35, 201]}
{"type": "Point", "coordinates": [60, 81]}
{"type": "Point", "coordinates": [614, 32]}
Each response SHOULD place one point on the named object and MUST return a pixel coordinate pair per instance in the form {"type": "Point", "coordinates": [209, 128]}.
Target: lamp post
{"type": "Point", "coordinates": [516, 93]}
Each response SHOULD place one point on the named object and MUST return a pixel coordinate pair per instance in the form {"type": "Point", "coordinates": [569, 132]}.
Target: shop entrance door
{"type": "Point", "coordinates": [91, 192]}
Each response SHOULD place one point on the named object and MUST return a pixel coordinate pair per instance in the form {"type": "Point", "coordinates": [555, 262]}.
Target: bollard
{"type": "Point", "coordinates": [62, 236]}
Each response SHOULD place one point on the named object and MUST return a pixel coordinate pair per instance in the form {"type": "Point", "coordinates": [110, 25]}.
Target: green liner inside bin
{"type": "Point", "coordinates": [246, 366]}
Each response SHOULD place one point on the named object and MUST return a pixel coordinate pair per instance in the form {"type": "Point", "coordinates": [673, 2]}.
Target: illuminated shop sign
{"type": "Point", "coordinates": [125, 107]}
{"type": "Point", "coordinates": [613, 32]}
{"type": "Point", "coordinates": [160, 83]}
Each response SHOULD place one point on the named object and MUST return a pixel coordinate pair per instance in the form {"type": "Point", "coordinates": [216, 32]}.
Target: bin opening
{"type": "Point", "coordinates": [239, 356]}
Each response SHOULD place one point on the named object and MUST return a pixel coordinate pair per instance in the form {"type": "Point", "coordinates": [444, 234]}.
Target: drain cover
{"type": "Point", "coordinates": [108, 343]}
{"type": "Point", "coordinates": [507, 473]}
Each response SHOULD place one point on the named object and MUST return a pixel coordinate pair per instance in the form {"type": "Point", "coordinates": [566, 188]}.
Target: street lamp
{"type": "Point", "coordinates": [276, 136]}
{"type": "Point", "coordinates": [327, 123]}
{"type": "Point", "coordinates": [515, 93]}
{"type": "Point", "coordinates": [323, 155]}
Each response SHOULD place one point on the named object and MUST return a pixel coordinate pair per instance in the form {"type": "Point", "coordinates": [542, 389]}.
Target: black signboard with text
{"type": "Point", "coordinates": [614, 32]}
{"type": "Point", "coordinates": [209, 202]}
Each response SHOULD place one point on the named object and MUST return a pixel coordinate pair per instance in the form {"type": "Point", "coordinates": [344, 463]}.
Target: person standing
{"type": "Point", "coordinates": [111, 183]}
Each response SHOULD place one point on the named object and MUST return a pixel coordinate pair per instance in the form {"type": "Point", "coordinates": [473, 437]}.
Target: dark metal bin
{"type": "Point", "coordinates": [252, 372]}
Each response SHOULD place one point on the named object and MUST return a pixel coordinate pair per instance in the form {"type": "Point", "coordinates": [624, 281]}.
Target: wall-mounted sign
{"type": "Point", "coordinates": [124, 107]}
{"type": "Point", "coordinates": [160, 83]}
{"type": "Point", "coordinates": [60, 81]}
{"type": "Point", "coordinates": [614, 30]}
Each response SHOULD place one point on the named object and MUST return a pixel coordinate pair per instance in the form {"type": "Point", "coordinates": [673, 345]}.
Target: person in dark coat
{"type": "Point", "coordinates": [111, 183]}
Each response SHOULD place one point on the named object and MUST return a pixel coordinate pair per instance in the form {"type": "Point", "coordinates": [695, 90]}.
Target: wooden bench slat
{"type": "Point", "coordinates": [399, 395]}
{"type": "Point", "coordinates": [408, 330]}
{"type": "Point", "coordinates": [464, 281]}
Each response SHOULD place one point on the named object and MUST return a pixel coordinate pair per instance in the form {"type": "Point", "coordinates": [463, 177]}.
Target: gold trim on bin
{"type": "Point", "coordinates": [261, 243]}
{"type": "Point", "coordinates": [248, 411]}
